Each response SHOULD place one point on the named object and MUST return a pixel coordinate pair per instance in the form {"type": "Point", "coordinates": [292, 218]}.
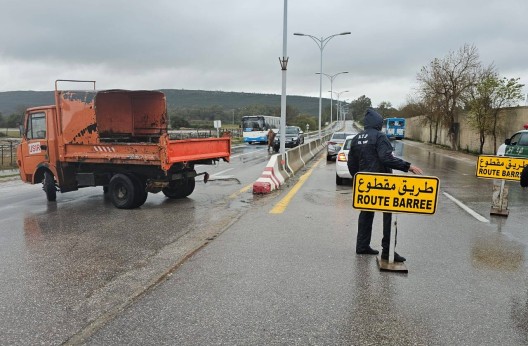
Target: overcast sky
{"type": "Point", "coordinates": [235, 45]}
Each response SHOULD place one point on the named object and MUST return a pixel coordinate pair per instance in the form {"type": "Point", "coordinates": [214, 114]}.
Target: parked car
{"type": "Point", "coordinates": [335, 143]}
{"type": "Point", "coordinates": [294, 137]}
{"type": "Point", "coordinates": [341, 162]}
{"type": "Point", "coordinates": [516, 145]}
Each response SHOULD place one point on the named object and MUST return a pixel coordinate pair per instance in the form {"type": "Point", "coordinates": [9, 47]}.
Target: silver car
{"type": "Point", "coordinates": [335, 143]}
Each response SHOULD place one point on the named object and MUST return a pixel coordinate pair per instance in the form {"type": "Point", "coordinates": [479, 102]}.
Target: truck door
{"type": "Point", "coordinates": [35, 144]}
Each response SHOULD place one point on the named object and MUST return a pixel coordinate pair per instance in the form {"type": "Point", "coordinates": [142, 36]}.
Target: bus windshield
{"type": "Point", "coordinates": [253, 123]}
{"type": "Point", "coordinates": [255, 127]}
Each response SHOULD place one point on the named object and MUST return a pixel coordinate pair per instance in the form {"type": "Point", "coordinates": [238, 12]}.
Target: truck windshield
{"type": "Point", "coordinates": [36, 127]}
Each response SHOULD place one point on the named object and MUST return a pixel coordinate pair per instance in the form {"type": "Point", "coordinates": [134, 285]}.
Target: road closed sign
{"type": "Point", "coordinates": [396, 193]}
{"type": "Point", "coordinates": [500, 167]}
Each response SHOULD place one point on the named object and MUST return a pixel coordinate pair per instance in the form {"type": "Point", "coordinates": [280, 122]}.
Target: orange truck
{"type": "Point", "coordinates": [117, 139]}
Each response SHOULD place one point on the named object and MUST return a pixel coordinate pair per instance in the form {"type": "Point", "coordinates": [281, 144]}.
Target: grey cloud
{"type": "Point", "coordinates": [234, 45]}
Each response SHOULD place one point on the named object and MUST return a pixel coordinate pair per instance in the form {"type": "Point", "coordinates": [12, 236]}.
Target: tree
{"type": "Point", "coordinates": [385, 108]}
{"type": "Point", "coordinates": [445, 81]}
{"type": "Point", "coordinates": [359, 107]}
{"type": "Point", "coordinates": [303, 120]}
{"type": "Point", "coordinates": [487, 98]}
{"type": "Point", "coordinates": [177, 122]}
{"type": "Point", "coordinates": [412, 108]}
{"type": "Point", "coordinates": [15, 119]}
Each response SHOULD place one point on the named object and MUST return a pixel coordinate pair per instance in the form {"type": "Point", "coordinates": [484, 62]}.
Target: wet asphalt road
{"type": "Point", "coordinates": [294, 279]}
{"type": "Point", "coordinates": [65, 264]}
{"type": "Point", "coordinates": [79, 269]}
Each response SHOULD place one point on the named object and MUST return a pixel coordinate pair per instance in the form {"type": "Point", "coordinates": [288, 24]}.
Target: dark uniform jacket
{"type": "Point", "coordinates": [524, 177]}
{"type": "Point", "coordinates": [371, 150]}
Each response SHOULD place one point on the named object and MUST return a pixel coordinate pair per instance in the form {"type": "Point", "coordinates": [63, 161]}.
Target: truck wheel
{"type": "Point", "coordinates": [122, 191]}
{"type": "Point", "coordinates": [141, 193]}
{"type": "Point", "coordinates": [179, 190]}
{"type": "Point", "coordinates": [48, 185]}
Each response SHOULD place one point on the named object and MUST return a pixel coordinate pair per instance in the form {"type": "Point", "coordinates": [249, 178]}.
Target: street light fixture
{"type": "Point", "coordinates": [339, 94]}
{"type": "Point", "coordinates": [321, 43]}
{"type": "Point", "coordinates": [331, 78]}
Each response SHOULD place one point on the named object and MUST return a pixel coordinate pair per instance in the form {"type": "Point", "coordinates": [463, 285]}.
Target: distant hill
{"type": "Point", "coordinates": [13, 101]}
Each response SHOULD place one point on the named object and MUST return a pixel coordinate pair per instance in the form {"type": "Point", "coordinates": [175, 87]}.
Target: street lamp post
{"type": "Point", "coordinates": [321, 43]}
{"type": "Point", "coordinates": [339, 94]}
{"type": "Point", "coordinates": [331, 78]}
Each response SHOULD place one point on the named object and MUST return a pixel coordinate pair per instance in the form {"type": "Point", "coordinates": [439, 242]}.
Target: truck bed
{"type": "Point", "coordinates": [189, 150]}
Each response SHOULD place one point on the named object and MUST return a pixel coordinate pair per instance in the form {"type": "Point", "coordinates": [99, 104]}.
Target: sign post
{"type": "Point", "coordinates": [217, 125]}
{"type": "Point", "coordinates": [395, 193]}
{"type": "Point", "coordinates": [500, 168]}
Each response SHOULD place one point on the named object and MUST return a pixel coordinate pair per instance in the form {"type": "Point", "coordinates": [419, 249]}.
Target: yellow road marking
{"type": "Point", "coordinates": [281, 206]}
{"type": "Point", "coordinates": [241, 191]}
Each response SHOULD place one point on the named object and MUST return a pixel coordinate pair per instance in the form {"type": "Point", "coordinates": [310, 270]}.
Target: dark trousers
{"type": "Point", "coordinates": [365, 231]}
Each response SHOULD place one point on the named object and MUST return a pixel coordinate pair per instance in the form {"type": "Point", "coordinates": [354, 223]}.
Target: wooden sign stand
{"type": "Point", "coordinates": [499, 199]}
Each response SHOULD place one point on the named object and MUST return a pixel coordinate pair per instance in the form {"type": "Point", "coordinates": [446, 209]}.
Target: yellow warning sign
{"type": "Point", "coordinates": [395, 193]}
{"type": "Point", "coordinates": [500, 167]}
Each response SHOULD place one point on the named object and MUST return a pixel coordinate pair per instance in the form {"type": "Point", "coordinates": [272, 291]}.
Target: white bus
{"type": "Point", "coordinates": [255, 127]}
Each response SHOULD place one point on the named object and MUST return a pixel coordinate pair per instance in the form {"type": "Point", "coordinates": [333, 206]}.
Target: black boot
{"type": "Point", "coordinates": [397, 258]}
{"type": "Point", "coordinates": [367, 251]}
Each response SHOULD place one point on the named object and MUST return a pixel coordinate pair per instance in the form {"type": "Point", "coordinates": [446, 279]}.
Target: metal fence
{"type": "Point", "coordinates": [8, 151]}
{"type": "Point", "coordinates": [185, 134]}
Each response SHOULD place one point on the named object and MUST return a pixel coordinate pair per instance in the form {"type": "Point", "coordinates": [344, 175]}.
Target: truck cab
{"type": "Point", "coordinates": [38, 147]}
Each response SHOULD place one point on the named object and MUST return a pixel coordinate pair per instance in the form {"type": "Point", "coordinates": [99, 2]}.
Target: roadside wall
{"type": "Point", "coordinates": [511, 120]}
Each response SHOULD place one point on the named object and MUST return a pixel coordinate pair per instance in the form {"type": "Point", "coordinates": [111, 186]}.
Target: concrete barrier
{"type": "Point", "coordinates": [281, 167]}
{"type": "Point", "coordinates": [294, 159]}
{"type": "Point", "coordinates": [273, 176]}
{"type": "Point", "coordinates": [306, 153]}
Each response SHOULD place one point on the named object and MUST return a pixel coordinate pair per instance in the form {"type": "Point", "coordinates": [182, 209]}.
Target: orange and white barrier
{"type": "Point", "coordinates": [272, 177]}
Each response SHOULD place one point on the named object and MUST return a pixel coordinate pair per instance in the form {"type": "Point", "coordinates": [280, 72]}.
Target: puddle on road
{"type": "Point", "coordinates": [497, 253]}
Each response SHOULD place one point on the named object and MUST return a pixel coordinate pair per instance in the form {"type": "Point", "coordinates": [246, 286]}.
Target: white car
{"type": "Point", "coordinates": [341, 162]}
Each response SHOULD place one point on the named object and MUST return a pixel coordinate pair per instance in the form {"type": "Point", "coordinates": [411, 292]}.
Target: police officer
{"type": "Point", "coordinates": [524, 177]}
{"type": "Point", "coordinates": [371, 151]}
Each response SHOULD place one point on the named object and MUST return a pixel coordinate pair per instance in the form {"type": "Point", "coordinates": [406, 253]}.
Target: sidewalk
{"type": "Point", "coordinates": [8, 172]}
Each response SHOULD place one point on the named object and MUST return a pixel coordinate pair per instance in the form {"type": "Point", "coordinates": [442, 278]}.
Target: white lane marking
{"type": "Point", "coordinates": [467, 209]}
{"type": "Point", "coordinates": [218, 173]}
{"type": "Point", "coordinates": [250, 153]}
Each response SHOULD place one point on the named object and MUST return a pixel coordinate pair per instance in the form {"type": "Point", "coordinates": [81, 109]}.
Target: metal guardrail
{"type": "Point", "coordinates": [186, 134]}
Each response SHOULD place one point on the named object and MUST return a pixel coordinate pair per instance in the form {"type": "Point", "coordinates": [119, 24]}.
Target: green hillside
{"type": "Point", "coordinates": [13, 101]}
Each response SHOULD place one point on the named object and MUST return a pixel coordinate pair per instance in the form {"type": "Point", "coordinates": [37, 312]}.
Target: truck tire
{"type": "Point", "coordinates": [179, 190]}
{"type": "Point", "coordinates": [141, 193]}
{"type": "Point", "coordinates": [122, 191]}
{"type": "Point", "coordinates": [48, 185]}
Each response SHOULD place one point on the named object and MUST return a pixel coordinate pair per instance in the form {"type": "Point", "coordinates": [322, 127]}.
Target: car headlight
{"type": "Point", "coordinates": [294, 138]}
